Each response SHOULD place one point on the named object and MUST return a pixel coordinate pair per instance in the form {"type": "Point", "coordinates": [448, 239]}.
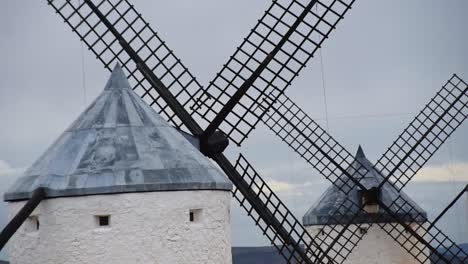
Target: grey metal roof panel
{"type": "Point", "coordinates": [119, 144]}
{"type": "Point", "coordinates": [324, 211]}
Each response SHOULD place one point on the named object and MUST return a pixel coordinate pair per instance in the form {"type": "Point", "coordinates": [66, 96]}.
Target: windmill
{"type": "Point", "coordinates": [248, 89]}
{"type": "Point", "coordinates": [284, 39]}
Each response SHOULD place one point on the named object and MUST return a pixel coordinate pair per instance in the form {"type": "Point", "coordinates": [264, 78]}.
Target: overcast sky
{"type": "Point", "coordinates": [381, 66]}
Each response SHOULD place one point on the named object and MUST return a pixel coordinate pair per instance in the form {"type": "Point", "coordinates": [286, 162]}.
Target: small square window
{"type": "Point", "coordinates": [195, 215]}
{"type": "Point", "coordinates": [102, 220]}
{"type": "Point", "coordinates": [191, 216]}
{"type": "Point", "coordinates": [32, 224]}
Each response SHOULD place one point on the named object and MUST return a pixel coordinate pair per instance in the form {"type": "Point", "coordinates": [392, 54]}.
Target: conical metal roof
{"type": "Point", "coordinates": [324, 211]}
{"type": "Point", "coordinates": [119, 144]}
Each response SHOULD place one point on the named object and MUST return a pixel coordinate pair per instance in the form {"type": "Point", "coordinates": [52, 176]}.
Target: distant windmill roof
{"type": "Point", "coordinates": [322, 212]}
{"type": "Point", "coordinates": [119, 144]}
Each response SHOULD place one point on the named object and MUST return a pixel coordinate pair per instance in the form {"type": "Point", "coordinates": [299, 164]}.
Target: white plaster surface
{"type": "Point", "coordinates": [146, 228]}
{"type": "Point", "coordinates": [376, 247]}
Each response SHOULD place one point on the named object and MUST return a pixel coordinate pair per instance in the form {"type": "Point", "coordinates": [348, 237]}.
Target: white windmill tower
{"type": "Point", "coordinates": [122, 186]}
{"type": "Point", "coordinates": [377, 246]}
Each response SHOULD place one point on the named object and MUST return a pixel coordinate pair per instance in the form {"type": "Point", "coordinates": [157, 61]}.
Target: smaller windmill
{"type": "Point", "coordinates": [376, 244]}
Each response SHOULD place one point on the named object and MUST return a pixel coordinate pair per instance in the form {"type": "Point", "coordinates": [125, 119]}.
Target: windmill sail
{"type": "Point", "coordinates": [280, 212]}
{"type": "Point", "coordinates": [319, 149]}
{"type": "Point", "coordinates": [301, 133]}
{"type": "Point", "coordinates": [127, 50]}
{"type": "Point", "coordinates": [268, 68]}
{"type": "Point", "coordinates": [143, 39]}
{"type": "Point", "coordinates": [426, 133]}
{"type": "Point", "coordinates": [268, 60]}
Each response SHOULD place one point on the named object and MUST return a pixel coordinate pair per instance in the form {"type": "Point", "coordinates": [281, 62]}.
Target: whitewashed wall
{"type": "Point", "coordinates": [145, 228]}
{"type": "Point", "coordinates": [376, 247]}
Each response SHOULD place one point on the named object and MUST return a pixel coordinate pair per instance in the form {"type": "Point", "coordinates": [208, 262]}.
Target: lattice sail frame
{"type": "Point", "coordinates": [294, 127]}
{"type": "Point", "coordinates": [426, 133]}
{"type": "Point", "coordinates": [330, 250]}
{"type": "Point", "coordinates": [293, 56]}
{"type": "Point", "coordinates": [301, 133]}
{"type": "Point", "coordinates": [124, 18]}
{"type": "Point", "coordinates": [117, 53]}
{"type": "Point", "coordinates": [143, 39]}
{"type": "Point", "coordinates": [407, 237]}
{"type": "Point", "coordinates": [446, 111]}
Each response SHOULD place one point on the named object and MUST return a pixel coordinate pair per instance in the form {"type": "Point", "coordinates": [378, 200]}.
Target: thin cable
{"type": "Point", "coordinates": [367, 116]}
{"type": "Point", "coordinates": [324, 90]}
{"type": "Point", "coordinates": [83, 71]}
{"type": "Point", "coordinates": [323, 84]}
{"type": "Point", "coordinates": [83, 75]}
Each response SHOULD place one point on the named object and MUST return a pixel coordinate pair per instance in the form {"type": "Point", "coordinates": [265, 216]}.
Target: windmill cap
{"type": "Point", "coordinates": [328, 210]}
{"type": "Point", "coordinates": [119, 144]}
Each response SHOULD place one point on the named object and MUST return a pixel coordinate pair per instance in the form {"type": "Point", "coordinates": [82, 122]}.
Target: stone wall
{"type": "Point", "coordinates": [151, 227]}
{"type": "Point", "coordinates": [375, 247]}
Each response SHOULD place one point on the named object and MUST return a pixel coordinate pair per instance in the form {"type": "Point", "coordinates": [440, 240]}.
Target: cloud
{"type": "Point", "coordinates": [4, 166]}
{"type": "Point", "coordinates": [296, 172]}
{"type": "Point", "coordinates": [457, 171]}
{"type": "Point", "coordinates": [279, 186]}
{"type": "Point", "coordinates": [8, 175]}
{"type": "Point", "coordinates": [7, 170]}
